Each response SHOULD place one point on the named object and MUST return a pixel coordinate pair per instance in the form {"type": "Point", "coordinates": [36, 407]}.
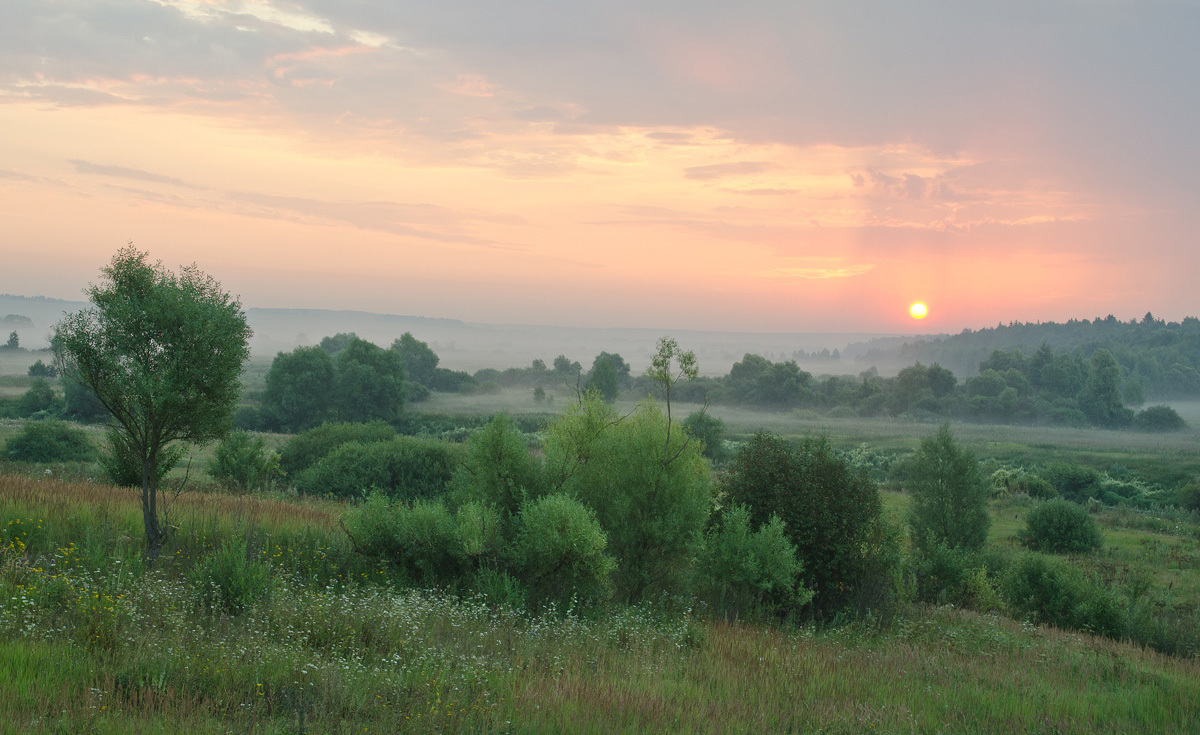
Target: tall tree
{"type": "Point", "coordinates": [163, 353]}
{"type": "Point", "coordinates": [949, 495]}
{"type": "Point", "coordinates": [1100, 399]}
{"type": "Point", "coordinates": [299, 392]}
{"type": "Point", "coordinates": [420, 362]}
{"type": "Point", "coordinates": [369, 382]}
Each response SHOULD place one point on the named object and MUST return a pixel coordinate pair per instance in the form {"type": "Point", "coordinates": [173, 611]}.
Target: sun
{"type": "Point", "coordinates": [918, 310]}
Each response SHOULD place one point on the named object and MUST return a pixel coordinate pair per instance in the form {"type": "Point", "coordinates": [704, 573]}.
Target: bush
{"type": "Point", "coordinates": [1060, 527]}
{"type": "Point", "coordinates": [82, 403]}
{"type": "Point", "coordinates": [1048, 591]}
{"type": "Point", "coordinates": [647, 484]}
{"type": "Point", "coordinates": [229, 580]}
{"type": "Point", "coordinates": [711, 431]}
{"type": "Point", "coordinates": [1158, 419]}
{"type": "Point", "coordinates": [421, 538]}
{"type": "Point", "coordinates": [949, 495]}
{"type": "Point", "coordinates": [40, 397]}
{"type": "Point", "coordinates": [40, 369]}
{"type": "Point", "coordinates": [947, 575]}
{"type": "Point", "coordinates": [1073, 481]}
{"type": "Point", "coordinates": [558, 550]}
{"type": "Point", "coordinates": [49, 441]}
{"type": "Point", "coordinates": [1189, 496]}
{"type": "Point", "coordinates": [748, 574]}
{"type": "Point", "coordinates": [243, 462]}
{"type": "Point", "coordinates": [304, 450]}
{"type": "Point", "coordinates": [404, 468]}
{"type": "Point", "coordinates": [830, 511]}
{"type": "Point", "coordinates": [497, 468]}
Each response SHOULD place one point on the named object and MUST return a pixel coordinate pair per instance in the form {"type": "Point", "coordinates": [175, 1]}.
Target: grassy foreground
{"type": "Point", "coordinates": [90, 642]}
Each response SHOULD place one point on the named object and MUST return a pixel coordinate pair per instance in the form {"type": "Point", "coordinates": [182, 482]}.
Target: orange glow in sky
{"type": "Point", "coordinates": [687, 173]}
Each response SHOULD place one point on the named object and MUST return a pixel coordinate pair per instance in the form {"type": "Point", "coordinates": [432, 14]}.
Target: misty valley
{"type": "Point", "coordinates": [364, 540]}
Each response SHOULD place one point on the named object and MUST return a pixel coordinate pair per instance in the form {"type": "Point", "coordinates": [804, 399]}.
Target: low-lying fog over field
{"type": "Point", "coordinates": [472, 346]}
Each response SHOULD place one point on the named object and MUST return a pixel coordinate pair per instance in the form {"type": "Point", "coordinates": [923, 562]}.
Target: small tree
{"type": "Point", "coordinates": [299, 389]}
{"type": "Point", "coordinates": [163, 353]}
{"type": "Point", "coordinates": [949, 495]}
{"type": "Point", "coordinates": [14, 341]}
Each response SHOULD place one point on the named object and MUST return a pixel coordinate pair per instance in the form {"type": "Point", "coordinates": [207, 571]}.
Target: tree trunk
{"type": "Point", "coordinates": [154, 534]}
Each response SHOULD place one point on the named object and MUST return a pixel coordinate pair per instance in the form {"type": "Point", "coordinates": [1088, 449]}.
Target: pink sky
{"type": "Point", "coordinates": [601, 164]}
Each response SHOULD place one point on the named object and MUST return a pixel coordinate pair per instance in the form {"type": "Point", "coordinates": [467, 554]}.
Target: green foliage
{"type": "Point", "coordinates": [558, 551]}
{"type": "Point", "coordinates": [14, 341]}
{"type": "Point", "coordinates": [646, 482]}
{"type": "Point", "coordinates": [40, 397]}
{"type": "Point", "coordinates": [831, 512]}
{"type": "Point", "coordinates": [949, 495]}
{"type": "Point", "coordinates": [497, 468]}
{"type": "Point", "coordinates": [122, 465]}
{"type": "Point", "coordinates": [243, 462]}
{"type": "Point", "coordinates": [1100, 400]}
{"type": "Point", "coordinates": [403, 468]}
{"type": "Point", "coordinates": [1046, 590]}
{"type": "Point", "coordinates": [1158, 419]}
{"type": "Point", "coordinates": [603, 379]}
{"type": "Point", "coordinates": [368, 383]}
{"type": "Point", "coordinates": [299, 391]}
{"type": "Point", "coordinates": [1073, 481]}
{"type": "Point", "coordinates": [420, 362]}
{"type": "Point", "coordinates": [163, 352]}
{"type": "Point", "coordinates": [229, 580]}
{"type": "Point", "coordinates": [945, 574]}
{"type": "Point", "coordinates": [82, 404]}
{"type": "Point", "coordinates": [1060, 527]}
{"type": "Point", "coordinates": [711, 431]}
{"type": "Point", "coordinates": [40, 369]}
{"type": "Point", "coordinates": [304, 450]}
{"type": "Point", "coordinates": [49, 441]}
{"type": "Point", "coordinates": [1189, 496]}
{"type": "Point", "coordinates": [421, 538]}
{"type": "Point", "coordinates": [749, 574]}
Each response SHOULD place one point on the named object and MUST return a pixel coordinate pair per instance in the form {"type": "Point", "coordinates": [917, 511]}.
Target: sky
{"type": "Point", "coordinates": [751, 166]}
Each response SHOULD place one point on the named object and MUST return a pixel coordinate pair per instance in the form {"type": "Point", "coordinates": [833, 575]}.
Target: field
{"type": "Point", "coordinates": [91, 642]}
{"type": "Point", "coordinates": [321, 639]}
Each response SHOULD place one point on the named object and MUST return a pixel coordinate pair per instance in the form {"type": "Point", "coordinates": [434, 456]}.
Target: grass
{"type": "Point", "coordinates": [90, 640]}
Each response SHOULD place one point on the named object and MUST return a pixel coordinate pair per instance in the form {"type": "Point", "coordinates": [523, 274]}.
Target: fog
{"type": "Point", "coordinates": [471, 346]}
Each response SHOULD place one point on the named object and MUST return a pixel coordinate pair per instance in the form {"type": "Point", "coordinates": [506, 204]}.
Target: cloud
{"type": "Point", "coordinates": [848, 271]}
{"type": "Point", "coordinates": [721, 170]}
{"type": "Point", "coordinates": [87, 167]}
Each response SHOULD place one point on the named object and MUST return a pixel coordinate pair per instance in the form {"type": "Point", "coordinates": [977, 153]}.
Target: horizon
{"type": "Point", "coordinates": [767, 169]}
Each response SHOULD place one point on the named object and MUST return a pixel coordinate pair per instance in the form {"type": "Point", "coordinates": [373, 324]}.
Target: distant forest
{"type": "Point", "coordinates": [1081, 373]}
{"type": "Point", "coordinates": [1161, 358]}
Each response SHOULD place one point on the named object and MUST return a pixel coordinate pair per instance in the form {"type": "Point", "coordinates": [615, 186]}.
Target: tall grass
{"type": "Point", "coordinates": [91, 641]}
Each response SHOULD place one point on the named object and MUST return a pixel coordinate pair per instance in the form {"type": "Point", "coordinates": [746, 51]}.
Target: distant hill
{"type": "Point", "coordinates": [1163, 356]}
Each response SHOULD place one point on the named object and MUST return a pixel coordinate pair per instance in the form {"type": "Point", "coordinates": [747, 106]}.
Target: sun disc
{"type": "Point", "coordinates": [918, 310]}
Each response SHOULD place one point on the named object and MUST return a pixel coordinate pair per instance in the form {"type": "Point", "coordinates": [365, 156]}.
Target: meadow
{"type": "Point", "coordinates": [92, 641]}
{"type": "Point", "coordinates": [262, 618]}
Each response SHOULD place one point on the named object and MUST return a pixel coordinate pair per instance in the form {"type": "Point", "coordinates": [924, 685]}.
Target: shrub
{"type": "Point", "coordinates": [229, 580]}
{"type": "Point", "coordinates": [829, 510]}
{"type": "Point", "coordinates": [943, 574]}
{"type": "Point", "coordinates": [1048, 591]}
{"type": "Point", "coordinates": [82, 403]}
{"type": "Point", "coordinates": [1060, 527]}
{"type": "Point", "coordinates": [49, 441]}
{"type": "Point", "coordinates": [243, 462]}
{"type": "Point", "coordinates": [1034, 487]}
{"type": "Point", "coordinates": [497, 468]}
{"type": "Point", "coordinates": [304, 450]}
{"type": "Point", "coordinates": [746, 573]}
{"type": "Point", "coordinates": [404, 468]}
{"type": "Point", "coordinates": [558, 550]}
{"type": "Point", "coordinates": [1189, 496]}
{"type": "Point", "coordinates": [40, 397]}
{"type": "Point", "coordinates": [647, 484]}
{"type": "Point", "coordinates": [949, 495]}
{"type": "Point", "coordinates": [711, 431]}
{"type": "Point", "coordinates": [1073, 481]}
{"type": "Point", "coordinates": [1159, 419]}
{"type": "Point", "coordinates": [421, 538]}
{"type": "Point", "coordinates": [40, 369]}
